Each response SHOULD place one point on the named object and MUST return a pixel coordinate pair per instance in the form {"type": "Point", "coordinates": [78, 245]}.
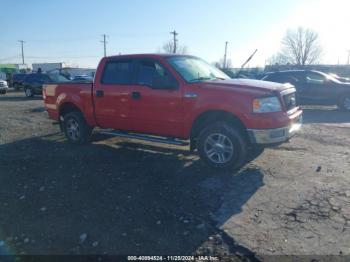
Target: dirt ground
{"type": "Point", "coordinates": [120, 196]}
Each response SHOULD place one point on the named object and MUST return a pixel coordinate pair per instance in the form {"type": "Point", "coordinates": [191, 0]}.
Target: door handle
{"type": "Point", "coordinates": [136, 95]}
{"type": "Point", "coordinates": [99, 93]}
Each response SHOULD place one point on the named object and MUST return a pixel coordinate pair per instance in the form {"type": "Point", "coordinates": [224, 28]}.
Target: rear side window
{"type": "Point", "coordinates": [117, 72]}
{"type": "Point", "coordinates": [281, 78]}
{"type": "Point", "coordinates": [274, 78]}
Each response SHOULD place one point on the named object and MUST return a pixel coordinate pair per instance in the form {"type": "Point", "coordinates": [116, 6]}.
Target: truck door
{"type": "Point", "coordinates": [156, 100]}
{"type": "Point", "coordinates": [112, 94]}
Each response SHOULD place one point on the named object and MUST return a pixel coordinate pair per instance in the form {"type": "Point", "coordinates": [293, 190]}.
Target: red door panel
{"type": "Point", "coordinates": [112, 108]}
{"type": "Point", "coordinates": [156, 111]}
{"type": "Point", "coordinates": [112, 94]}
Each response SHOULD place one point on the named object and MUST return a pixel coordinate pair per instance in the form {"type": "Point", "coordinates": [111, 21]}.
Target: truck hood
{"type": "Point", "coordinates": [247, 85]}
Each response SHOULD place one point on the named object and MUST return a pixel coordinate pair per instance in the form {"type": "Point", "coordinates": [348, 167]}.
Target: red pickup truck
{"type": "Point", "coordinates": [177, 99]}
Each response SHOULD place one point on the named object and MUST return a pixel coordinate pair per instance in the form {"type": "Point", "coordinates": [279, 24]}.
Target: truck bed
{"type": "Point", "coordinates": [80, 95]}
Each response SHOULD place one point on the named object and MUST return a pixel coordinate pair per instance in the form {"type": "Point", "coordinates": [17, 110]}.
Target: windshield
{"type": "Point", "coordinates": [330, 77]}
{"type": "Point", "coordinates": [194, 69]}
{"type": "Point", "coordinates": [58, 78]}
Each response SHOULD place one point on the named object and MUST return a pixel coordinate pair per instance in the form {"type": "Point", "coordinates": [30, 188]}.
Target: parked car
{"type": "Point", "coordinates": [33, 83]}
{"type": "Point", "coordinates": [314, 87]}
{"type": "Point", "coordinates": [17, 81]}
{"type": "Point", "coordinates": [82, 78]}
{"type": "Point", "coordinates": [238, 73]}
{"type": "Point", "coordinates": [3, 87]}
{"type": "Point", "coordinates": [175, 98]}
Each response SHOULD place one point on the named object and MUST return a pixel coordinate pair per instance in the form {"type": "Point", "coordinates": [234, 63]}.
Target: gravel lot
{"type": "Point", "coordinates": [120, 196]}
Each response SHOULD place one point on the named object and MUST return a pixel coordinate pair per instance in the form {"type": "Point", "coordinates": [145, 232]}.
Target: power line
{"type": "Point", "coordinates": [104, 44]}
{"type": "Point", "coordinates": [22, 42]}
{"type": "Point", "coordinates": [174, 33]}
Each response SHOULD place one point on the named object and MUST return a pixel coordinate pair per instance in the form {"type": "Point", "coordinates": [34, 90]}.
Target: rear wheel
{"type": "Point", "coordinates": [75, 128]}
{"type": "Point", "coordinates": [344, 103]}
{"type": "Point", "coordinates": [221, 145]}
{"type": "Point", "coordinates": [28, 92]}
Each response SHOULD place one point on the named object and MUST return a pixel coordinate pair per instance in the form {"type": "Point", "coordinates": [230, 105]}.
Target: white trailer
{"type": "Point", "coordinates": [45, 67]}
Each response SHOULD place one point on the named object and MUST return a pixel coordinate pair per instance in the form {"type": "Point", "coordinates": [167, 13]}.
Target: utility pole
{"type": "Point", "coordinates": [225, 56]}
{"type": "Point", "coordinates": [348, 56]}
{"type": "Point", "coordinates": [22, 42]}
{"type": "Point", "coordinates": [104, 44]}
{"type": "Point", "coordinates": [174, 33]}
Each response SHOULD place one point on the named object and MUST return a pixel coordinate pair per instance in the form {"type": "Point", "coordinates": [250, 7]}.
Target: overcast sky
{"type": "Point", "coordinates": [71, 31]}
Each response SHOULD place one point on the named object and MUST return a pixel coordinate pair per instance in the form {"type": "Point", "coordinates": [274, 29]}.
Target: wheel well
{"type": "Point", "coordinates": [214, 116]}
{"type": "Point", "coordinates": [67, 107]}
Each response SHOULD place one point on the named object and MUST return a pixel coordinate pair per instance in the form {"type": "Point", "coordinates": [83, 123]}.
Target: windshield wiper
{"type": "Point", "coordinates": [202, 78]}
{"type": "Point", "coordinates": [221, 78]}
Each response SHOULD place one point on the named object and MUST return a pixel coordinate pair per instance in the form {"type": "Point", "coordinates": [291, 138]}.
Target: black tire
{"type": "Point", "coordinates": [29, 92]}
{"type": "Point", "coordinates": [255, 152]}
{"type": "Point", "coordinates": [344, 103]}
{"type": "Point", "coordinates": [233, 138]}
{"type": "Point", "coordinates": [82, 133]}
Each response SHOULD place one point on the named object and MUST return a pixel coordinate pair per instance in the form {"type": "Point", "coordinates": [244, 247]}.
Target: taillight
{"type": "Point", "coordinates": [44, 92]}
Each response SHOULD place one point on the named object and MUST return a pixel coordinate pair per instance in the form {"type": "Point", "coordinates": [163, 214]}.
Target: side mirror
{"type": "Point", "coordinates": [163, 82]}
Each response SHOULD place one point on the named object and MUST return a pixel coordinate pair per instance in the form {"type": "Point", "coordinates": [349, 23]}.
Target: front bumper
{"type": "Point", "coordinates": [275, 135]}
{"type": "Point", "coordinates": [3, 89]}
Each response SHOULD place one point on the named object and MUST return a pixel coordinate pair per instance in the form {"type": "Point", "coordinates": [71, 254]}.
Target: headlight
{"type": "Point", "coordinates": [266, 105]}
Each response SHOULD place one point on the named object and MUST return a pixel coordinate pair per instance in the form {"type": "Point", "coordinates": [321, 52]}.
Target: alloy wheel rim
{"type": "Point", "coordinates": [73, 130]}
{"type": "Point", "coordinates": [346, 103]}
{"type": "Point", "coordinates": [218, 148]}
{"type": "Point", "coordinates": [28, 92]}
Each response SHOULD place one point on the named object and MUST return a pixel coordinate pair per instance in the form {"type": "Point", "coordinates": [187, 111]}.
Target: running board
{"type": "Point", "coordinates": [171, 141]}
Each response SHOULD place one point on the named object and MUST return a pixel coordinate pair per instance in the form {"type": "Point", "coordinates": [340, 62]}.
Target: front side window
{"type": "Point", "coordinates": [148, 70]}
{"type": "Point", "coordinates": [153, 74]}
{"type": "Point", "coordinates": [194, 69]}
{"type": "Point", "coordinates": [117, 72]}
{"type": "Point", "coordinates": [314, 78]}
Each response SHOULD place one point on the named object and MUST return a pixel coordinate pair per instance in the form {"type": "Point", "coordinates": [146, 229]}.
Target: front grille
{"type": "Point", "coordinates": [289, 101]}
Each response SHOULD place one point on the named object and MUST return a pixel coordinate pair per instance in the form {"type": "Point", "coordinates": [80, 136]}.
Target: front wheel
{"type": "Point", "coordinates": [344, 103]}
{"type": "Point", "coordinates": [28, 92]}
{"type": "Point", "coordinates": [75, 128]}
{"type": "Point", "coordinates": [222, 145]}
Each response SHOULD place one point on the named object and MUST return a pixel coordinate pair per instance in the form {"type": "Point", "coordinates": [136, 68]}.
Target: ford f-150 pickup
{"type": "Point", "coordinates": [177, 99]}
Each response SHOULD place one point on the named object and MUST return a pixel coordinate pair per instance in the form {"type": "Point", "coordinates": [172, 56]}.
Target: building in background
{"type": "Point", "coordinates": [46, 67]}
{"type": "Point", "coordinates": [7, 70]}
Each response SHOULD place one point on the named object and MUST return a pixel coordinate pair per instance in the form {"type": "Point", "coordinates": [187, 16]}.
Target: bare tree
{"type": "Point", "coordinates": [168, 47]}
{"type": "Point", "coordinates": [220, 63]}
{"type": "Point", "coordinates": [301, 47]}
{"type": "Point", "coordinates": [278, 59]}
